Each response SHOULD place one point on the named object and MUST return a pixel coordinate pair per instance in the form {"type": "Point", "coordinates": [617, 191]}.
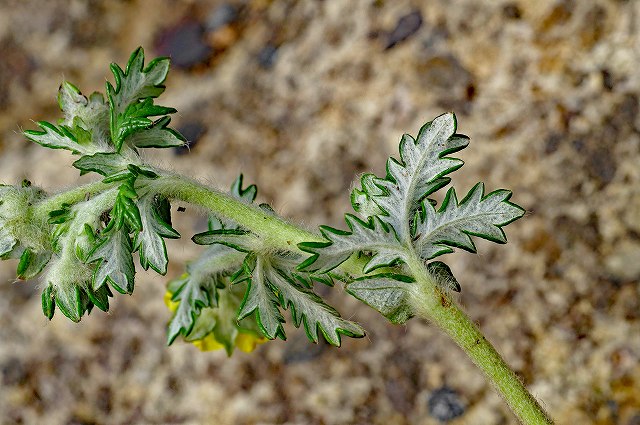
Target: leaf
{"type": "Point", "coordinates": [32, 263]}
{"type": "Point", "coordinates": [115, 263]}
{"type": "Point", "coordinates": [100, 297]}
{"type": "Point", "coordinates": [271, 287]}
{"type": "Point", "coordinates": [455, 222]}
{"type": "Point", "coordinates": [7, 242]}
{"type": "Point", "coordinates": [237, 239]}
{"type": "Point", "coordinates": [420, 172]}
{"type": "Point", "coordinates": [48, 302]}
{"type": "Point", "coordinates": [125, 211]}
{"type": "Point", "coordinates": [308, 308]}
{"type": "Point", "coordinates": [102, 163]}
{"type": "Point", "coordinates": [372, 236]}
{"type": "Point", "coordinates": [220, 321]}
{"type": "Point", "coordinates": [261, 299]}
{"type": "Point", "coordinates": [130, 100]}
{"type": "Point", "coordinates": [134, 119]}
{"type": "Point", "coordinates": [137, 82]}
{"type": "Point", "coordinates": [91, 114]}
{"type": "Point", "coordinates": [69, 300]}
{"type": "Point", "coordinates": [61, 137]}
{"type": "Point", "coordinates": [198, 287]}
{"type": "Point", "coordinates": [159, 135]}
{"type": "Point", "coordinates": [155, 217]}
{"type": "Point", "coordinates": [386, 293]}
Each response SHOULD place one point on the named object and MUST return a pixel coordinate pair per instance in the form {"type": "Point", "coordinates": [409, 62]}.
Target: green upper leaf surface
{"type": "Point", "coordinates": [115, 263]}
{"type": "Point", "coordinates": [131, 100]}
{"type": "Point", "coordinates": [155, 217]}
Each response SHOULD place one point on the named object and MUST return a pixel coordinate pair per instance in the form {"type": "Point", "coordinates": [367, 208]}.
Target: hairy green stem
{"type": "Point", "coordinates": [275, 232]}
{"type": "Point", "coordinates": [429, 301]}
{"type": "Point", "coordinates": [433, 304]}
{"type": "Point", "coordinates": [73, 196]}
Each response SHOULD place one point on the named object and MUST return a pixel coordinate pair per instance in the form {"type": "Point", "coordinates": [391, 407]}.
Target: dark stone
{"type": "Point", "coordinates": [445, 404]}
{"type": "Point", "coordinates": [607, 79]}
{"type": "Point", "coordinates": [13, 372]}
{"type": "Point", "coordinates": [192, 132]}
{"type": "Point", "coordinates": [552, 143]}
{"type": "Point", "coordinates": [221, 16]}
{"type": "Point", "coordinates": [511, 11]}
{"type": "Point", "coordinates": [267, 56]}
{"type": "Point", "coordinates": [405, 28]}
{"type": "Point", "coordinates": [185, 45]}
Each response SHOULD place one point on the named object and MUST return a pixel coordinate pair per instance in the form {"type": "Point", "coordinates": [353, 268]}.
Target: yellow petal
{"type": "Point", "coordinates": [247, 342]}
{"type": "Point", "coordinates": [208, 343]}
{"type": "Point", "coordinates": [172, 305]}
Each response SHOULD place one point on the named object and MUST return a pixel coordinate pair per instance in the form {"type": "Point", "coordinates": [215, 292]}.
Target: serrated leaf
{"type": "Point", "coordinates": [221, 321]}
{"type": "Point", "coordinates": [237, 239]}
{"type": "Point", "coordinates": [69, 301]}
{"type": "Point", "coordinates": [386, 293]}
{"type": "Point", "coordinates": [198, 287]}
{"type": "Point", "coordinates": [100, 297]}
{"type": "Point", "coordinates": [131, 101]}
{"type": "Point", "coordinates": [125, 210]}
{"type": "Point", "coordinates": [308, 308]}
{"type": "Point", "coordinates": [136, 81]}
{"type": "Point", "coordinates": [91, 114]}
{"type": "Point", "coordinates": [134, 119]}
{"type": "Point", "coordinates": [194, 293]}
{"type": "Point", "coordinates": [105, 164]}
{"type": "Point", "coordinates": [61, 137]}
{"type": "Point", "coordinates": [371, 237]}
{"type": "Point", "coordinates": [420, 172]}
{"type": "Point", "coordinates": [159, 135]}
{"type": "Point", "coordinates": [455, 222]}
{"type": "Point", "coordinates": [32, 263]}
{"type": "Point", "coordinates": [115, 263]}
{"type": "Point", "coordinates": [261, 299]}
{"type": "Point", "coordinates": [155, 216]}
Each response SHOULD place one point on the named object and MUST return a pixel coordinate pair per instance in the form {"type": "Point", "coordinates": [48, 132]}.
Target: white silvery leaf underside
{"type": "Point", "coordinates": [453, 224]}
{"type": "Point", "coordinates": [420, 171]}
{"type": "Point", "coordinates": [372, 237]}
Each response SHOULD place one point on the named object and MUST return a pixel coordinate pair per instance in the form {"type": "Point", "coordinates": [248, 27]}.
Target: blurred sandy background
{"type": "Point", "coordinates": [301, 97]}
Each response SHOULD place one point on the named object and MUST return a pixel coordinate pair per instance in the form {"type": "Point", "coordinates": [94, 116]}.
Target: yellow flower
{"type": "Point", "coordinates": [244, 340]}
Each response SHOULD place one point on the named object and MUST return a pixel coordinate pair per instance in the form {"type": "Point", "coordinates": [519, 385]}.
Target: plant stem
{"type": "Point", "coordinates": [41, 209]}
{"type": "Point", "coordinates": [276, 232]}
{"type": "Point", "coordinates": [433, 304]}
{"type": "Point", "coordinates": [429, 301]}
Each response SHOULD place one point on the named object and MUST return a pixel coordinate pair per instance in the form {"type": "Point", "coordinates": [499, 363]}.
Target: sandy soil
{"type": "Point", "coordinates": [301, 97]}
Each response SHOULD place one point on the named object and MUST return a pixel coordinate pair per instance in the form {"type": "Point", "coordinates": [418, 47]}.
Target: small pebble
{"type": "Point", "coordinates": [185, 45]}
{"type": "Point", "coordinates": [222, 15]}
{"type": "Point", "coordinates": [445, 404]}
{"type": "Point", "coordinates": [405, 28]}
{"type": "Point", "coordinates": [267, 56]}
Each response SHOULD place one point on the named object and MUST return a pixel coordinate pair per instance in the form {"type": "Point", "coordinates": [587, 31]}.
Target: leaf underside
{"type": "Point", "coordinates": [398, 220]}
